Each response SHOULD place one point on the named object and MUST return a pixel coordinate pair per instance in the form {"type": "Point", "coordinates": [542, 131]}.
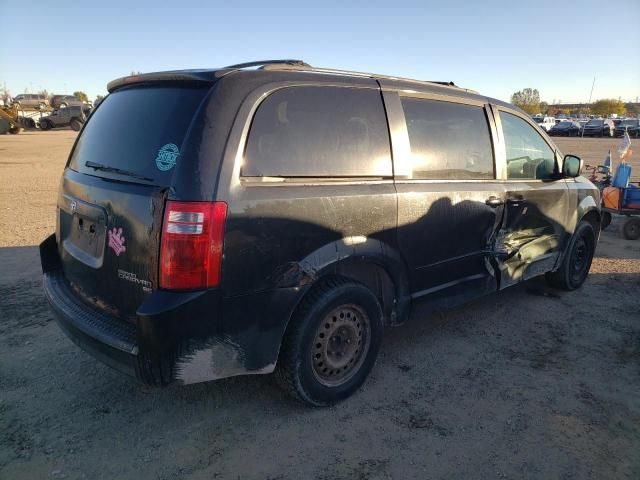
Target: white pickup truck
{"type": "Point", "coordinates": [545, 123]}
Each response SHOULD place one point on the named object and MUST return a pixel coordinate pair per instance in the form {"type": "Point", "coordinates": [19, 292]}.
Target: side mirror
{"type": "Point", "coordinates": [571, 166]}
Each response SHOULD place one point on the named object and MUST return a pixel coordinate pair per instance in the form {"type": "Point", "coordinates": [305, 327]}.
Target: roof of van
{"type": "Point", "coordinates": [289, 66]}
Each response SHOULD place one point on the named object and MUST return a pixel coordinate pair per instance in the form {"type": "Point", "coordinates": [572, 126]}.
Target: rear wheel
{"type": "Point", "coordinates": [15, 130]}
{"type": "Point", "coordinates": [631, 228]}
{"type": "Point", "coordinates": [75, 124]}
{"type": "Point", "coordinates": [331, 343]}
{"type": "Point", "coordinates": [606, 220]}
{"type": "Point", "coordinates": [577, 259]}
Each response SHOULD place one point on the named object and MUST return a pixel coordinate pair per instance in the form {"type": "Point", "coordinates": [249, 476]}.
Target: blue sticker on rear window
{"type": "Point", "coordinates": [167, 157]}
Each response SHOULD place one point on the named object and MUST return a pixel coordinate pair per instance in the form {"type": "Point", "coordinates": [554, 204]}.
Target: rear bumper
{"type": "Point", "coordinates": [178, 337]}
{"type": "Point", "coordinates": [113, 342]}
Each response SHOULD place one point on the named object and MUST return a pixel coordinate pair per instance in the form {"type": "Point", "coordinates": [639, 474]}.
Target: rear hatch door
{"type": "Point", "coordinates": [112, 195]}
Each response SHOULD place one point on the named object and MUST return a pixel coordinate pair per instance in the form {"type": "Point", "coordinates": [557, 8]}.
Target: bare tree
{"type": "Point", "coordinates": [527, 99]}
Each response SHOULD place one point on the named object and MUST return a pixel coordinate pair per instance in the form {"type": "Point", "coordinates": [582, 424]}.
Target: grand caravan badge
{"type": "Point", "coordinates": [167, 157]}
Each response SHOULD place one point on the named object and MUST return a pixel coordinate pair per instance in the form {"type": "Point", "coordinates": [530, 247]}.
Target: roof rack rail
{"type": "Point", "coordinates": [301, 65]}
{"type": "Point", "coordinates": [260, 63]}
{"type": "Point", "coordinates": [376, 76]}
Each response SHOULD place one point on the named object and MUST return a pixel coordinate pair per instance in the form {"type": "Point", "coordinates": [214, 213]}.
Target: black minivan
{"type": "Point", "coordinates": [272, 216]}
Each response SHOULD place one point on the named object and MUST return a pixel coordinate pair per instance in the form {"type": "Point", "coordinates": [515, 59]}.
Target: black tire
{"type": "Point", "coordinates": [631, 228]}
{"type": "Point", "coordinates": [15, 130]}
{"type": "Point", "coordinates": [334, 314]}
{"type": "Point", "coordinates": [75, 124]}
{"type": "Point", "coordinates": [45, 125]}
{"type": "Point", "coordinates": [4, 126]}
{"type": "Point", "coordinates": [577, 259]}
{"type": "Point", "coordinates": [605, 221]}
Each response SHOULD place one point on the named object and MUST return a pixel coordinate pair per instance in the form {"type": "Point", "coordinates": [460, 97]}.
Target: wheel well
{"type": "Point", "coordinates": [376, 279]}
{"type": "Point", "coordinates": [593, 217]}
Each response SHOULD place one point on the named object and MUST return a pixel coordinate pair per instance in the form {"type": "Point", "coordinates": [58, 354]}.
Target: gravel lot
{"type": "Point", "coordinates": [528, 383]}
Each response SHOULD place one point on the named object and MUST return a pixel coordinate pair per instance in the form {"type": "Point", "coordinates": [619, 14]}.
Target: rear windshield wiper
{"type": "Point", "coordinates": [107, 168]}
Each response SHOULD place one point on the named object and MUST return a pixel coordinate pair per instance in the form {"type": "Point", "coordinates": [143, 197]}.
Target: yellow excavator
{"type": "Point", "coordinates": [10, 121]}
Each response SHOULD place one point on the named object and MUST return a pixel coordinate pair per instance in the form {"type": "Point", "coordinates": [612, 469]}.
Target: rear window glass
{"type": "Point", "coordinates": [138, 130]}
{"type": "Point", "coordinates": [448, 140]}
{"type": "Point", "coordinates": [319, 132]}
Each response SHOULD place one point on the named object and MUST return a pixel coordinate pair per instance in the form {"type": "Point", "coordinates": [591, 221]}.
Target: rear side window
{"type": "Point", "coordinates": [528, 155]}
{"type": "Point", "coordinates": [139, 130]}
{"type": "Point", "coordinates": [448, 140]}
{"type": "Point", "coordinates": [319, 132]}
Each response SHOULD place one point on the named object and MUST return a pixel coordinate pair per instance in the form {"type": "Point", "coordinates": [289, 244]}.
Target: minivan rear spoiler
{"type": "Point", "coordinates": [189, 76]}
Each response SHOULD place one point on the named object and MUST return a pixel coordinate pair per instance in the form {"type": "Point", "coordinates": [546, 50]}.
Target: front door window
{"type": "Point", "coordinates": [529, 157]}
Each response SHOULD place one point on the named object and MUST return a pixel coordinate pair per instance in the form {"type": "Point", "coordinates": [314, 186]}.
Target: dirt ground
{"type": "Point", "coordinates": [528, 383]}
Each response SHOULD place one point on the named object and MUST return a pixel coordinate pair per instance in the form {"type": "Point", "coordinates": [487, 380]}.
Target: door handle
{"type": "Point", "coordinates": [515, 198]}
{"type": "Point", "coordinates": [494, 202]}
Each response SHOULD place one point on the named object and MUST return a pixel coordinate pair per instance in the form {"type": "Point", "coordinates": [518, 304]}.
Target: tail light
{"type": "Point", "coordinates": [191, 245]}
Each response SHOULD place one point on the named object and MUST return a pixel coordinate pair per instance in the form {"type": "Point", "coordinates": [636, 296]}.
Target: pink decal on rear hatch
{"type": "Point", "coordinates": [116, 241]}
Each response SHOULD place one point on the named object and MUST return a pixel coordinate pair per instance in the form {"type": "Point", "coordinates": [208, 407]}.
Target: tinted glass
{"type": "Point", "coordinates": [595, 123]}
{"type": "Point", "coordinates": [528, 155]}
{"type": "Point", "coordinates": [629, 123]}
{"type": "Point", "coordinates": [319, 132]}
{"type": "Point", "coordinates": [134, 127]}
{"type": "Point", "coordinates": [448, 140]}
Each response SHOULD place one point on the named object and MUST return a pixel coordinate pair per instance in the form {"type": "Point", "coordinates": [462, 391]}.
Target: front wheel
{"type": "Point", "coordinates": [331, 343]}
{"type": "Point", "coordinates": [45, 125]}
{"type": "Point", "coordinates": [577, 259]}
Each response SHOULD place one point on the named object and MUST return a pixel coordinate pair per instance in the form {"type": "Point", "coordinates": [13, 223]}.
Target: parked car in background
{"type": "Point", "coordinates": [598, 127]}
{"type": "Point", "coordinates": [64, 101]}
{"type": "Point", "coordinates": [73, 117]}
{"type": "Point", "coordinates": [630, 125]}
{"type": "Point", "coordinates": [565, 129]}
{"type": "Point", "coordinates": [28, 101]}
{"type": "Point", "coordinates": [546, 123]}
{"type": "Point", "coordinates": [213, 223]}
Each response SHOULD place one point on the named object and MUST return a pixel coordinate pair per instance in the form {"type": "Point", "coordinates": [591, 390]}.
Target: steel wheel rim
{"type": "Point", "coordinates": [340, 345]}
{"type": "Point", "coordinates": [580, 258]}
